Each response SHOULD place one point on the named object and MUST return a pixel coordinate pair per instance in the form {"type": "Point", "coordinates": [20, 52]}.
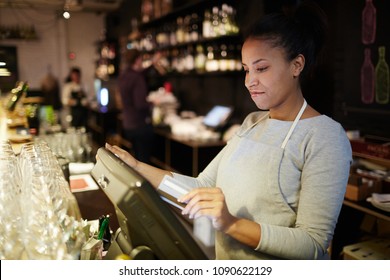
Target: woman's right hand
{"type": "Point", "coordinates": [123, 155]}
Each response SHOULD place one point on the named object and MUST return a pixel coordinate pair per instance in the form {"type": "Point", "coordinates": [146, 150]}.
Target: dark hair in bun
{"type": "Point", "coordinates": [301, 32]}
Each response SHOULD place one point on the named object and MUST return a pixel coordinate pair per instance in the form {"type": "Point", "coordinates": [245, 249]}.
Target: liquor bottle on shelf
{"type": "Point", "coordinates": [200, 59]}
{"type": "Point", "coordinates": [189, 60]}
{"type": "Point", "coordinates": [235, 29]}
{"type": "Point", "coordinates": [162, 36]}
{"type": "Point", "coordinates": [382, 84]}
{"type": "Point", "coordinates": [211, 61]}
{"type": "Point", "coordinates": [172, 34]}
{"type": "Point", "coordinates": [368, 23]}
{"type": "Point", "coordinates": [187, 28]}
{"type": "Point", "coordinates": [367, 76]}
{"type": "Point", "coordinates": [180, 32]}
{"type": "Point", "coordinates": [181, 67]}
{"type": "Point", "coordinates": [147, 10]}
{"type": "Point", "coordinates": [215, 22]}
{"type": "Point", "coordinates": [206, 24]}
{"type": "Point", "coordinates": [166, 7]}
{"type": "Point", "coordinates": [223, 61]}
{"type": "Point", "coordinates": [175, 59]}
{"type": "Point", "coordinates": [16, 95]}
{"type": "Point", "coordinates": [194, 35]}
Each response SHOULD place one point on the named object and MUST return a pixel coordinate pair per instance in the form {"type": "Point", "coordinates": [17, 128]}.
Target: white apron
{"type": "Point", "coordinates": [272, 207]}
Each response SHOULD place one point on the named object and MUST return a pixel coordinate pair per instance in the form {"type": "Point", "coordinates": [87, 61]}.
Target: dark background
{"type": "Point", "coordinates": [335, 89]}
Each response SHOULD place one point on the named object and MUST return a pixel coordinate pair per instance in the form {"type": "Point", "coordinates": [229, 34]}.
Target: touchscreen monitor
{"type": "Point", "coordinates": [147, 224]}
{"type": "Point", "coordinates": [217, 116]}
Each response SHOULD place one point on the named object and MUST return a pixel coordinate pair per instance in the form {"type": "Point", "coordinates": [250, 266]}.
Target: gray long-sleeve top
{"type": "Point", "coordinates": [298, 211]}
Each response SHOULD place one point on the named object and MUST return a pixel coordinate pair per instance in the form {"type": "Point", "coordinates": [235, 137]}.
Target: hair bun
{"type": "Point", "coordinates": [313, 23]}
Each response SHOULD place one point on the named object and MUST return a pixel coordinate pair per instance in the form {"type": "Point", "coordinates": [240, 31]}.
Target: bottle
{"type": "Point", "coordinates": [382, 78]}
{"type": "Point", "coordinates": [175, 59]}
{"type": "Point", "coordinates": [226, 21]}
{"type": "Point", "coordinates": [211, 61]}
{"type": "Point", "coordinates": [147, 10]}
{"type": "Point", "coordinates": [215, 22]}
{"type": "Point", "coordinates": [180, 35]}
{"type": "Point", "coordinates": [200, 59]}
{"type": "Point", "coordinates": [223, 60]}
{"type": "Point", "coordinates": [189, 61]}
{"type": "Point", "coordinates": [187, 28]}
{"type": "Point", "coordinates": [232, 16]}
{"type": "Point", "coordinates": [223, 20]}
{"type": "Point", "coordinates": [16, 94]}
{"type": "Point", "coordinates": [368, 23]}
{"type": "Point", "coordinates": [367, 76]}
{"type": "Point", "coordinates": [172, 35]}
{"type": "Point", "coordinates": [166, 7]}
{"type": "Point", "coordinates": [206, 25]}
{"type": "Point", "coordinates": [194, 36]}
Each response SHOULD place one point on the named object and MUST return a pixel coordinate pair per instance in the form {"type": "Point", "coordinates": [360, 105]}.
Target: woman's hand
{"type": "Point", "coordinates": [123, 155]}
{"type": "Point", "coordinates": [209, 202]}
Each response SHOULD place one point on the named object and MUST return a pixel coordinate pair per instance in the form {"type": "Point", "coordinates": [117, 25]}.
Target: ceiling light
{"type": "Point", "coordinates": [66, 15]}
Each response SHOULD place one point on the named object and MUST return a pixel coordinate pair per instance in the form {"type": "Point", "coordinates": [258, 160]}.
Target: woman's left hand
{"type": "Point", "coordinates": [209, 202]}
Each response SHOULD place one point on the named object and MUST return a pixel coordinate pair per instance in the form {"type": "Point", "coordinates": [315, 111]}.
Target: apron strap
{"type": "Point", "coordinates": [297, 118]}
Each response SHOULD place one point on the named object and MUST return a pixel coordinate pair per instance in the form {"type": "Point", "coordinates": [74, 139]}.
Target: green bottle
{"type": "Point", "coordinates": [382, 83]}
{"type": "Point", "coordinates": [16, 94]}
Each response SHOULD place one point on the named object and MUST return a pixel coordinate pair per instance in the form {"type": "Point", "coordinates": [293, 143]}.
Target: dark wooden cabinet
{"type": "Point", "coordinates": [188, 157]}
{"type": "Point", "coordinates": [102, 124]}
{"type": "Point", "coordinates": [360, 220]}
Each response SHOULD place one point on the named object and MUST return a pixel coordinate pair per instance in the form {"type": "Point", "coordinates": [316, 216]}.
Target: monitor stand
{"type": "Point", "coordinates": [120, 246]}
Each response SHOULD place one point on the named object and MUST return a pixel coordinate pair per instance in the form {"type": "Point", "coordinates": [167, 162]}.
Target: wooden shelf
{"type": "Point", "coordinates": [377, 160]}
{"type": "Point", "coordinates": [367, 208]}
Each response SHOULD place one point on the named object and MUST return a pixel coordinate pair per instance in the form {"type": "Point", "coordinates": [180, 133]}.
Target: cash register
{"type": "Point", "coordinates": [148, 228]}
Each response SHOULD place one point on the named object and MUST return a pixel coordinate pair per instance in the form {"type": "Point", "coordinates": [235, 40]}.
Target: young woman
{"type": "Point", "coordinates": [276, 189]}
{"type": "Point", "coordinates": [74, 97]}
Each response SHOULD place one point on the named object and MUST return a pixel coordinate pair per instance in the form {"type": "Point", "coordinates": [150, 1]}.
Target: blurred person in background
{"type": "Point", "coordinates": [51, 93]}
{"type": "Point", "coordinates": [136, 111]}
{"type": "Point", "coordinates": [74, 98]}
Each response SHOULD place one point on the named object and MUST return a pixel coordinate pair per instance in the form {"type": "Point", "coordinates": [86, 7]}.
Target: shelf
{"type": "Point", "coordinates": [226, 39]}
{"type": "Point", "coordinates": [367, 208]}
{"type": "Point", "coordinates": [351, 109]}
{"type": "Point", "coordinates": [377, 160]}
{"type": "Point", "coordinates": [196, 6]}
{"type": "Point", "coordinates": [375, 150]}
{"type": "Point", "coordinates": [205, 74]}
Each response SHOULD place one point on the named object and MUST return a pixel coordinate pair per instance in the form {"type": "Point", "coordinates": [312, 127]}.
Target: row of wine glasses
{"type": "Point", "coordinates": [74, 145]}
{"type": "Point", "coordinates": [45, 216]}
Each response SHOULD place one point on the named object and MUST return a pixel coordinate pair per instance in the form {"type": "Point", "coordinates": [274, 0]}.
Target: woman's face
{"type": "Point", "coordinates": [269, 77]}
{"type": "Point", "coordinates": [75, 77]}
